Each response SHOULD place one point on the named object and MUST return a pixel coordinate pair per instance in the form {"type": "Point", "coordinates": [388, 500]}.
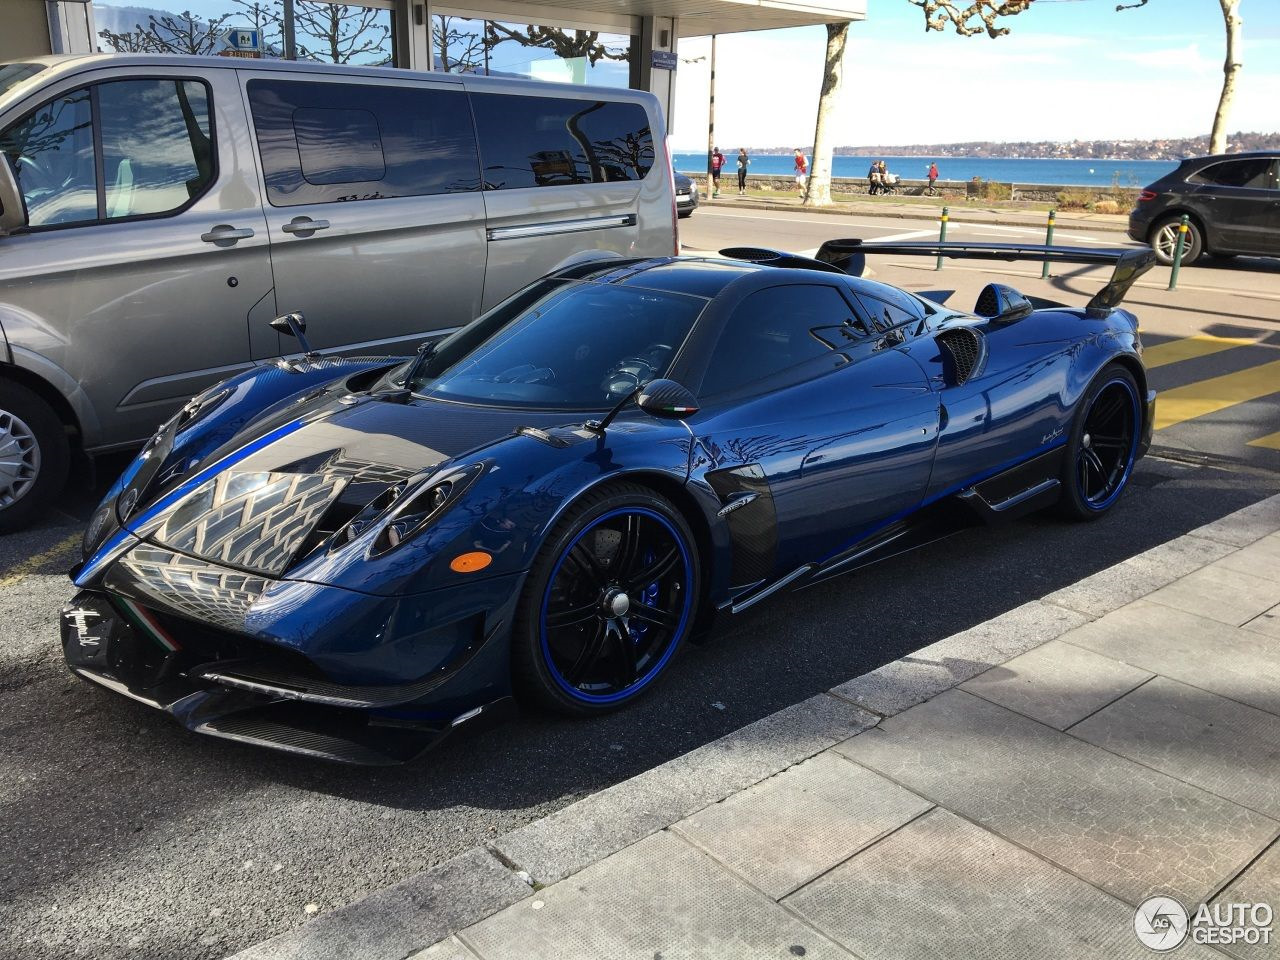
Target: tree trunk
{"type": "Point", "coordinates": [818, 193]}
{"type": "Point", "coordinates": [1231, 66]}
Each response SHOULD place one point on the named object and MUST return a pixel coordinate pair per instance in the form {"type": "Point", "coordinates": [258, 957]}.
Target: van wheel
{"type": "Point", "coordinates": [34, 455]}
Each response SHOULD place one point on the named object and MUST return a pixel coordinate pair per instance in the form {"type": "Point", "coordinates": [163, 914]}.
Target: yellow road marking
{"type": "Point", "coordinates": [32, 564]}
{"type": "Point", "coordinates": [1271, 440]}
{"type": "Point", "coordinates": [1188, 348]}
{"type": "Point", "coordinates": [1217, 393]}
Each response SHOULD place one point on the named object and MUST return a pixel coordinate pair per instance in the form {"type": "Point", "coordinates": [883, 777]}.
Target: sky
{"type": "Point", "coordinates": [1069, 69]}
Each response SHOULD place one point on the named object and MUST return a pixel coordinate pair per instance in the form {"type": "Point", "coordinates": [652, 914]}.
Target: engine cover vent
{"type": "Point", "coordinates": [961, 351]}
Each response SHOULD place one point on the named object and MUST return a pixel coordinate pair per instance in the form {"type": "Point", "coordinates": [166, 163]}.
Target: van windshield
{"type": "Point", "coordinates": [12, 74]}
{"type": "Point", "coordinates": [577, 346]}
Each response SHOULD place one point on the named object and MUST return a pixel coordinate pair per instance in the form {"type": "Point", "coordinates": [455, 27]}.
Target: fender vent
{"type": "Point", "coordinates": [961, 348]}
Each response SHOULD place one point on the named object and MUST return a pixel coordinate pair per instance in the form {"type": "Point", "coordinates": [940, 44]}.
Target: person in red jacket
{"type": "Point", "coordinates": [717, 161]}
{"type": "Point", "coordinates": [802, 168]}
{"type": "Point", "coordinates": [933, 176]}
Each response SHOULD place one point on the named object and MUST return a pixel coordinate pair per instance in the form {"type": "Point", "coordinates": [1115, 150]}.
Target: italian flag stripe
{"type": "Point", "coordinates": [149, 625]}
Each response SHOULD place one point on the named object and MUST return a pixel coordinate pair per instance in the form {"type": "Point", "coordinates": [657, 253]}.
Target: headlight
{"type": "Point", "coordinates": [421, 506]}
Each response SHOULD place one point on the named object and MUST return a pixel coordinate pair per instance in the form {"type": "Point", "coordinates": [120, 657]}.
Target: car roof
{"type": "Point", "coordinates": [61, 64]}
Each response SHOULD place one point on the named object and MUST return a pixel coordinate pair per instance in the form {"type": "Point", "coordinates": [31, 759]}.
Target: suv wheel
{"type": "Point", "coordinates": [34, 455]}
{"type": "Point", "coordinates": [1164, 241]}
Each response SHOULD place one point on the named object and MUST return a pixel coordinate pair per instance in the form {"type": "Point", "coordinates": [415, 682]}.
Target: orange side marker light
{"type": "Point", "coordinates": [470, 562]}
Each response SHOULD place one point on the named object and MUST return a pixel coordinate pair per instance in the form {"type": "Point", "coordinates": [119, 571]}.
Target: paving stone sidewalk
{"type": "Point", "coordinates": [1012, 791]}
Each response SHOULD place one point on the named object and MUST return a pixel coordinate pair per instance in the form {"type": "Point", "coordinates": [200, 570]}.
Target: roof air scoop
{"type": "Point", "coordinates": [1002, 304]}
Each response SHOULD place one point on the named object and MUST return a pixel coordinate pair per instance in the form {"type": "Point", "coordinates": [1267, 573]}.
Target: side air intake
{"type": "Point", "coordinates": [961, 353]}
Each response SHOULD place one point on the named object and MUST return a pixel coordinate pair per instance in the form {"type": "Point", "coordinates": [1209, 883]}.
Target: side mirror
{"type": "Point", "coordinates": [666, 400]}
{"type": "Point", "coordinates": [293, 325]}
{"type": "Point", "coordinates": [13, 207]}
{"type": "Point", "coordinates": [1002, 304]}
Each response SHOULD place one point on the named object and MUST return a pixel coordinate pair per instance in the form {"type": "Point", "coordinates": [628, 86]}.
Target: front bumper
{"type": "Point", "coordinates": [687, 203]}
{"type": "Point", "coordinates": [233, 686]}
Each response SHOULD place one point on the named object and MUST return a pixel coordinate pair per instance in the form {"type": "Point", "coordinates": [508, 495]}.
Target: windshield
{"type": "Point", "coordinates": [575, 346]}
{"type": "Point", "coordinates": [12, 74]}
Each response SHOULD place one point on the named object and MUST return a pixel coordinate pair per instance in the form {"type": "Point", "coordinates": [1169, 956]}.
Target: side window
{"type": "Point", "coordinates": [157, 145]}
{"type": "Point", "coordinates": [556, 141]}
{"type": "Point", "coordinates": [325, 142]}
{"type": "Point", "coordinates": [778, 329]}
{"type": "Point", "coordinates": [51, 152]}
{"type": "Point", "coordinates": [1250, 172]}
{"type": "Point", "coordinates": [890, 308]}
{"type": "Point", "coordinates": [156, 151]}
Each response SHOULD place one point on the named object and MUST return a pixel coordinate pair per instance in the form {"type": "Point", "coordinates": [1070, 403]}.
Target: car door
{"type": "Point", "coordinates": [374, 208]}
{"type": "Point", "coordinates": [1241, 202]}
{"type": "Point", "coordinates": [144, 267]}
{"type": "Point", "coordinates": [810, 409]}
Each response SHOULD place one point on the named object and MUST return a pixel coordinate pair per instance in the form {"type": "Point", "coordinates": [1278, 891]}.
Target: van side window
{"type": "Point", "coordinates": [157, 145]}
{"type": "Point", "coordinates": [325, 142]}
{"type": "Point", "coordinates": [1249, 172]}
{"type": "Point", "coordinates": [555, 141]}
{"type": "Point", "coordinates": [51, 153]}
{"type": "Point", "coordinates": [156, 151]}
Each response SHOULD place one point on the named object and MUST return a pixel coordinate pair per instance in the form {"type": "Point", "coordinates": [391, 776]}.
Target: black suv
{"type": "Point", "coordinates": [1232, 202]}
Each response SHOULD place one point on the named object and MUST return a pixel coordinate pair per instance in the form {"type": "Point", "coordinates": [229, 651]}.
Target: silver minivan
{"type": "Point", "coordinates": [156, 212]}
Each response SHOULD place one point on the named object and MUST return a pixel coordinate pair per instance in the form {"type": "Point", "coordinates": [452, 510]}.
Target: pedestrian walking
{"type": "Point", "coordinates": [717, 161]}
{"type": "Point", "coordinates": [743, 163]}
{"type": "Point", "coordinates": [873, 179]}
{"type": "Point", "coordinates": [932, 175]}
{"type": "Point", "coordinates": [802, 168]}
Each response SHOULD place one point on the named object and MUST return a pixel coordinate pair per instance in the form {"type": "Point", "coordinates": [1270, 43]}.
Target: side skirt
{"type": "Point", "coordinates": [1022, 489]}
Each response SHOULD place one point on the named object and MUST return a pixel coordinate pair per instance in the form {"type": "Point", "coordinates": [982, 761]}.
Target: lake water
{"type": "Point", "coordinates": [1094, 173]}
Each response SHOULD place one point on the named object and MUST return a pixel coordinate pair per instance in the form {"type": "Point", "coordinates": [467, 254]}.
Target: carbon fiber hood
{"type": "Point", "coordinates": [269, 499]}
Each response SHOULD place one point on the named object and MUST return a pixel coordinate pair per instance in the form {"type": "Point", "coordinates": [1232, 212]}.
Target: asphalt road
{"type": "Point", "coordinates": [124, 836]}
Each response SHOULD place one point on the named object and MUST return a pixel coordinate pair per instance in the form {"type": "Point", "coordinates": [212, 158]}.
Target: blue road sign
{"type": "Point", "coordinates": [242, 38]}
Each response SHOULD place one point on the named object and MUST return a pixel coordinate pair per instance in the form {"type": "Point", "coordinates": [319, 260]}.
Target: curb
{"type": "Point", "coordinates": [959, 215]}
{"type": "Point", "coordinates": [426, 908]}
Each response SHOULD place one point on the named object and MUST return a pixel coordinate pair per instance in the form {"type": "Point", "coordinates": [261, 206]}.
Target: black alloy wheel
{"type": "Point", "coordinates": [608, 602]}
{"type": "Point", "coordinates": [1103, 444]}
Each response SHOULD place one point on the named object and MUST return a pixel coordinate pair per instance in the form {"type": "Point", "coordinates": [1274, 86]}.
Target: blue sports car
{"type": "Point", "coordinates": [349, 558]}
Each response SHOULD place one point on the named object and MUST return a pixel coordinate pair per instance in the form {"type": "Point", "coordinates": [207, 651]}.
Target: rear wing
{"type": "Point", "coordinates": [850, 256]}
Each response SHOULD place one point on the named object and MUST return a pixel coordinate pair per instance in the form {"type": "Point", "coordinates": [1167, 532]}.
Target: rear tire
{"type": "Point", "coordinates": [1103, 445]}
{"type": "Point", "coordinates": [1164, 241]}
{"type": "Point", "coordinates": [609, 600]}
{"type": "Point", "coordinates": [34, 456]}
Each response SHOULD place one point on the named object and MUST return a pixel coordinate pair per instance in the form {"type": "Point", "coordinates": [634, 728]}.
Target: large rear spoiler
{"type": "Point", "coordinates": [850, 256]}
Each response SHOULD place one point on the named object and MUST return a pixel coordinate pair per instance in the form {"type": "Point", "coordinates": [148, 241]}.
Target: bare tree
{"type": "Point", "coordinates": [939, 13]}
{"type": "Point", "coordinates": [341, 33]}
{"type": "Point", "coordinates": [818, 192]}
{"type": "Point", "coordinates": [458, 50]}
{"type": "Point", "coordinates": [179, 33]}
{"type": "Point", "coordinates": [267, 17]}
{"type": "Point", "coordinates": [1230, 69]}
{"type": "Point", "coordinates": [567, 44]}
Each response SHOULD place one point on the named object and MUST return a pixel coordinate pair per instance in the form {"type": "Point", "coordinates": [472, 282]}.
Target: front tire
{"type": "Point", "coordinates": [1164, 241]}
{"type": "Point", "coordinates": [34, 456]}
{"type": "Point", "coordinates": [1103, 445]}
{"type": "Point", "coordinates": [608, 602]}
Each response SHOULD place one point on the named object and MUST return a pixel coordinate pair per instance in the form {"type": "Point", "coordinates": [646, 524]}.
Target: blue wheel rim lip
{"type": "Point", "coordinates": [1133, 445]}
{"type": "Point", "coordinates": [654, 670]}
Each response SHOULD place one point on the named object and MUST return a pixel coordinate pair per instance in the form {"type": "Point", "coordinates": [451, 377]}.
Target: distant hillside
{"type": "Point", "coordinates": [1174, 148]}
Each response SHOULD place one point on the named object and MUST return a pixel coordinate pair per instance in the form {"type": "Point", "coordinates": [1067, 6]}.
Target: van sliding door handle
{"type": "Point", "coordinates": [305, 225]}
{"type": "Point", "coordinates": [225, 233]}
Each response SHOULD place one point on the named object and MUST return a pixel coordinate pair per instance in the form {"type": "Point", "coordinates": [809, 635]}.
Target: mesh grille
{"type": "Point", "coordinates": [960, 349]}
{"type": "Point", "coordinates": [988, 302]}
